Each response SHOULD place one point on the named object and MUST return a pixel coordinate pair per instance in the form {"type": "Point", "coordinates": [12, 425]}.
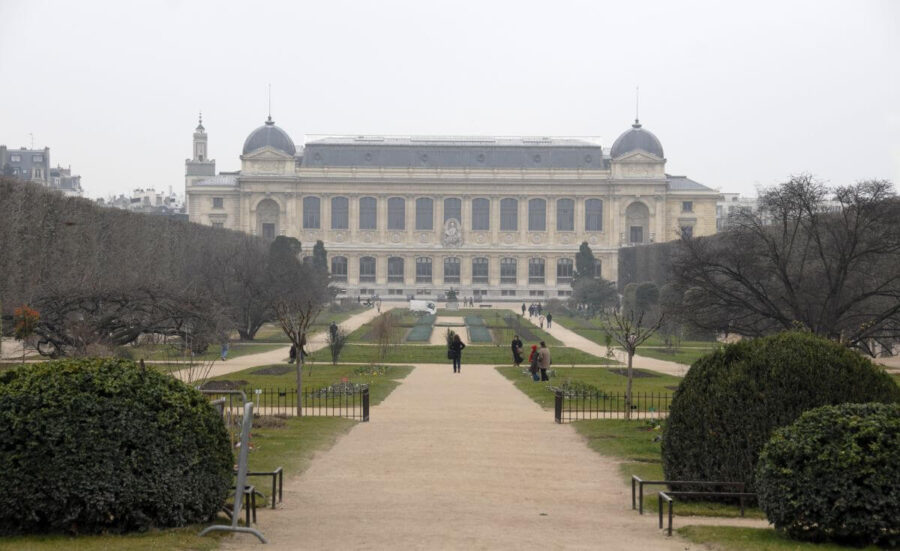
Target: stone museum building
{"type": "Point", "coordinates": [493, 217]}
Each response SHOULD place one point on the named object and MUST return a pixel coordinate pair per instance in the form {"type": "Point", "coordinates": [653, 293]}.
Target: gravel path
{"type": "Point", "coordinates": [459, 462]}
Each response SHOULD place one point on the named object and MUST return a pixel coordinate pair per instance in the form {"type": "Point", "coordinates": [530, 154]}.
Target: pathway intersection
{"type": "Point", "coordinates": [461, 461]}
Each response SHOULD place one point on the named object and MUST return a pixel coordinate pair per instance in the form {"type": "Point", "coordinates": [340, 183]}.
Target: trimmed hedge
{"type": "Point", "coordinates": [835, 475]}
{"type": "Point", "coordinates": [101, 445]}
{"type": "Point", "coordinates": [731, 401]}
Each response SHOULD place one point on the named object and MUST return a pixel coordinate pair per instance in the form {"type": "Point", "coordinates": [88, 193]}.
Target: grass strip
{"type": "Point", "coordinates": [734, 538]}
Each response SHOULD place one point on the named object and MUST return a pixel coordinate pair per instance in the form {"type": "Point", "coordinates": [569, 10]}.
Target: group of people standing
{"type": "Point", "coordinates": [537, 309]}
{"type": "Point", "coordinates": [539, 360]}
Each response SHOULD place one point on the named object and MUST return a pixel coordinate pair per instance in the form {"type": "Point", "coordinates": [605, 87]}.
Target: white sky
{"type": "Point", "coordinates": [740, 94]}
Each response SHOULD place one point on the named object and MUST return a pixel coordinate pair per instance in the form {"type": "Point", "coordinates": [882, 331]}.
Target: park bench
{"type": "Point", "coordinates": [485, 305]}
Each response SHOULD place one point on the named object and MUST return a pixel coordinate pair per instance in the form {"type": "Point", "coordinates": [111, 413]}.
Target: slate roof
{"type": "Point", "coordinates": [683, 183]}
{"type": "Point", "coordinates": [636, 139]}
{"type": "Point", "coordinates": [453, 152]}
{"type": "Point", "coordinates": [271, 135]}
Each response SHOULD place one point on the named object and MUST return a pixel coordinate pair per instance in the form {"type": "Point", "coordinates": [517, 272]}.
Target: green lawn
{"type": "Point", "coordinates": [319, 375]}
{"type": "Point", "coordinates": [600, 377]}
{"type": "Point", "coordinates": [683, 355]}
{"type": "Point", "coordinates": [271, 332]}
{"type": "Point", "coordinates": [473, 354]}
{"type": "Point", "coordinates": [164, 352]}
{"type": "Point", "coordinates": [636, 444]}
{"type": "Point", "coordinates": [291, 443]}
{"type": "Point", "coordinates": [181, 539]}
{"type": "Point", "coordinates": [731, 538]}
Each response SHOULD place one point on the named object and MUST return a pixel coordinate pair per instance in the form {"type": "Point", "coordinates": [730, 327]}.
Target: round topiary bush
{"type": "Point", "coordinates": [731, 401]}
{"type": "Point", "coordinates": [104, 445]}
{"type": "Point", "coordinates": [835, 475]}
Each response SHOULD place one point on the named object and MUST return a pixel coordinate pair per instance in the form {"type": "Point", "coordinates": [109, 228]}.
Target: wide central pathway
{"type": "Point", "coordinates": [459, 461]}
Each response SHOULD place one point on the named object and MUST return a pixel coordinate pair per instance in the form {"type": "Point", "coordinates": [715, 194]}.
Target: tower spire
{"type": "Point", "coordinates": [200, 122]}
{"type": "Point", "coordinates": [637, 107]}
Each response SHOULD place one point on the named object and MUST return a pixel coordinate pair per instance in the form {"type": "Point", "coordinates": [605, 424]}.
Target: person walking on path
{"type": "Point", "coordinates": [534, 363]}
{"type": "Point", "coordinates": [517, 350]}
{"type": "Point", "coordinates": [541, 319]}
{"type": "Point", "coordinates": [224, 349]}
{"type": "Point", "coordinates": [455, 352]}
{"type": "Point", "coordinates": [544, 361]}
{"type": "Point", "coordinates": [549, 320]}
{"type": "Point", "coordinates": [523, 309]}
{"type": "Point", "coordinates": [333, 329]}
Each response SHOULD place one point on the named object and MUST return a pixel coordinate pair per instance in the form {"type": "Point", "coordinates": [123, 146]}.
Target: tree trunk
{"type": "Point", "coordinates": [628, 387]}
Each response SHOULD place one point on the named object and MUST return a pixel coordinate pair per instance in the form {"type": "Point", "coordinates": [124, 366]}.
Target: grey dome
{"type": "Point", "coordinates": [634, 139]}
{"type": "Point", "coordinates": [270, 135]}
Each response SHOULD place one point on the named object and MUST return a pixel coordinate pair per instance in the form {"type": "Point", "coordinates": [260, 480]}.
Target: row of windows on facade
{"type": "Point", "coordinates": [481, 213]}
{"type": "Point", "coordinates": [477, 293]}
{"type": "Point", "coordinates": [565, 269]}
{"type": "Point", "coordinates": [16, 158]}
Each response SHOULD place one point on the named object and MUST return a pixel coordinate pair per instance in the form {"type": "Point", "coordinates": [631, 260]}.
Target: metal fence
{"type": "Point", "coordinates": [574, 405]}
{"type": "Point", "coordinates": [351, 401]}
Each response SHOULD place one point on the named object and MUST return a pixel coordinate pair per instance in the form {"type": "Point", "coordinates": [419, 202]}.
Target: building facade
{"type": "Point", "coordinates": [497, 218]}
{"type": "Point", "coordinates": [33, 165]}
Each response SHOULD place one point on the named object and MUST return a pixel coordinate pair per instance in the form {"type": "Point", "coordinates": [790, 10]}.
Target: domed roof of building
{"type": "Point", "coordinates": [635, 139]}
{"type": "Point", "coordinates": [269, 135]}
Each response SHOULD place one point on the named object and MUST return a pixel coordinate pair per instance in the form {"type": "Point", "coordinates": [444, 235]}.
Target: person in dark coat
{"type": "Point", "coordinates": [549, 320]}
{"type": "Point", "coordinates": [534, 363]}
{"type": "Point", "coordinates": [293, 354]}
{"type": "Point", "coordinates": [517, 350]}
{"type": "Point", "coordinates": [455, 352]}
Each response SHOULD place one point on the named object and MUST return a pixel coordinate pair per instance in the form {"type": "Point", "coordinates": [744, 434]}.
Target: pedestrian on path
{"type": "Point", "coordinates": [293, 354]}
{"type": "Point", "coordinates": [224, 349]}
{"type": "Point", "coordinates": [455, 352]}
{"type": "Point", "coordinates": [541, 319]}
{"type": "Point", "coordinates": [544, 361]}
{"type": "Point", "coordinates": [534, 363]}
{"type": "Point", "coordinates": [549, 320]}
{"type": "Point", "coordinates": [523, 309]}
{"type": "Point", "coordinates": [517, 350]}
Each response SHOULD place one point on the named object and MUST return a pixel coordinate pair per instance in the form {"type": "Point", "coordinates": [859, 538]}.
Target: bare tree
{"type": "Point", "coordinates": [630, 329]}
{"type": "Point", "coordinates": [300, 293]}
{"type": "Point", "coordinates": [797, 262]}
{"type": "Point", "coordinates": [384, 330]}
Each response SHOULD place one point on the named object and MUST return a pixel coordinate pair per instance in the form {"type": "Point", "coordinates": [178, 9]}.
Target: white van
{"type": "Point", "coordinates": [422, 306]}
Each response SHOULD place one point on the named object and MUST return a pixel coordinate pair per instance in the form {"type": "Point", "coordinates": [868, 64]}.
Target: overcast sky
{"type": "Point", "coordinates": [740, 94]}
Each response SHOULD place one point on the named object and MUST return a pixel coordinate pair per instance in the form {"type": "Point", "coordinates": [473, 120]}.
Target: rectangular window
{"type": "Point", "coordinates": [479, 292]}
{"type": "Point", "coordinates": [535, 270]}
{"type": "Point", "coordinates": [481, 214]}
{"type": "Point", "coordinates": [424, 214]}
{"type": "Point", "coordinates": [311, 218]}
{"type": "Point", "coordinates": [507, 292]}
{"type": "Point", "coordinates": [339, 268]}
{"type": "Point", "coordinates": [593, 215]}
{"type": "Point", "coordinates": [452, 209]}
{"type": "Point", "coordinates": [423, 270]}
{"type": "Point", "coordinates": [396, 213]}
{"type": "Point", "coordinates": [479, 270]}
{"type": "Point", "coordinates": [219, 225]}
{"type": "Point", "coordinates": [451, 270]}
{"type": "Point", "coordinates": [395, 269]}
{"type": "Point", "coordinates": [15, 158]}
{"type": "Point", "coordinates": [367, 269]}
{"type": "Point", "coordinates": [37, 158]}
{"type": "Point", "coordinates": [268, 230]}
{"type": "Point", "coordinates": [507, 270]}
{"type": "Point", "coordinates": [340, 213]}
{"type": "Point", "coordinates": [564, 270]}
{"type": "Point", "coordinates": [637, 234]}
{"type": "Point", "coordinates": [509, 215]}
{"type": "Point", "coordinates": [687, 232]}
{"type": "Point", "coordinates": [564, 293]}
{"type": "Point", "coordinates": [687, 206]}
{"type": "Point", "coordinates": [395, 292]}
{"type": "Point", "coordinates": [565, 215]}
{"type": "Point", "coordinates": [368, 213]}
{"type": "Point", "coordinates": [537, 215]}
{"type": "Point", "coordinates": [535, 293]}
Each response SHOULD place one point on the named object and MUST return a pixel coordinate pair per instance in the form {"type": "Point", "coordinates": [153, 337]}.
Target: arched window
{"type": "Point", "coordinates": [395, 269]}
{"type": "Point", "coordinates": [367, 269]}
{"type": "Point", "coordinates": [424, 213]}
{"type": "Point", "coordinates": [507, 270]}
{"type": "Point", "coordinates": [339, 268]}
{"type": "Point", "coordinates": [311, 219]}
{"type": "Point", "coordinates": [535, 270]}
{"type": "Point", "coordinates": [481, 214]}
{"type": "Point", "coordinates": [340, 213]}
{"type": "Point", "coordinates": [423, 269]}
{"type": "Point", "coordinates": [452, 209]}
{"type": "Point", "coordinates": [396, 213]}
{"type": "Point", "coordinates": [564, 270]}
{"type": "Point", "coordinates": [451, 270]}
{"type": "Point", "coordinates": [565, 215]}
{"type": "Point", "coordinates": [480, 271]}
{"type": "Point", "coordinates": [368, 213]}
{"type": "Point", "coordinates": [537, 215]}
{"type": "Point", "coordinates": [593, 215]}
{"type": "Point", "coordinates": [509, 214]}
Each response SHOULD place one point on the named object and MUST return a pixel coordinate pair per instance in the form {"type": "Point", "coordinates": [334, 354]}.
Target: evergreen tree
{"type": "Point", "coordinates": [584, 262]}
{"type": "Point", "coordinates": [320, 256]}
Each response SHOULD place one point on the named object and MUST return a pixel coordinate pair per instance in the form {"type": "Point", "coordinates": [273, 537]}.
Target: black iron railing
{"type": "Point", "coordinates": [340, 400]}
{"type": "Point", "coordinates": [573, 405]}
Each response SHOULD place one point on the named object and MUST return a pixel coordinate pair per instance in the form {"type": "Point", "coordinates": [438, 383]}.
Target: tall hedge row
{"type": "Point", "coordinates": [103, 445]}
{"type": "Point", "coordinates": [732, 400]}
{"type": "Point", "coordinates": [835, 475]}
